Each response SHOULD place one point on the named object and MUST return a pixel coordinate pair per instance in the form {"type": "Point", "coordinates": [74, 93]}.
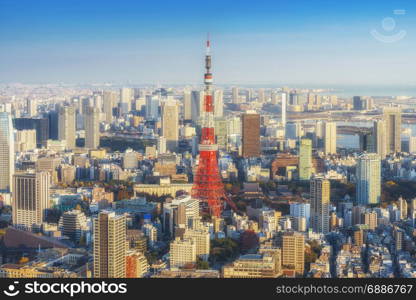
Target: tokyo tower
{"type": "Point", "coordinates": [208, 187]}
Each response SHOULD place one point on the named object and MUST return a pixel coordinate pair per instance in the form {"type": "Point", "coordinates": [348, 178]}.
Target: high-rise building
{"type": "Point", "coordinates": [305, 159]}
{"type": "Point", "coordinates": [260, 96]}
{"type": "Point", "coordinates": [92, 128]}
{"type": "Point", "coordinates": [41, 125]}
{"type": "Point", "coordinates": [66, 125]}
{"type": "Point", "coordinates": [370, 219]}
{"type": "Point", "coordinates": [152, 107]}
{"type": "Point", "coordinates": [187, 105]}
{"type": "Point", "coordinates": [283, 109]}
{"type": "Point", "coordinates": [109, 102]}
{"type": "Point", "coordinates": [31, 107]}
{"type": "Point", "coordinates": [293, 254]}
{"type": "Point", "coordinates": [126, 96]}
{"type": "Point", "coordinates": [197, 104]}
{"type": "Point", "coordinates": [357, 103]}
{"type": "Point", "coordinates": [301, 210]}
{"type": "Point", "coordinates": [330, 138]}
{"type": "Point", "coordinates": [218, 103]}
{"type": "Point", "coordinates": [6, 152]}
{"type": "Point", "coordinates": [393, 119]}
{"type": "Point", "coordinates": [73, 224]}
{"type": "Point", "coordinates": [25, 140]}
{"type": "Point", "coordinates": [201, 238]}
{"type": "Point", "coordinates": [182, 252]}
{"type": "Point", "coordinates": [380, 138]}
{"type": "Point", "coordinates": [235, 95]}
{"type": "Point", "coordinates": [136, 264]}
{"type": "Point", "coordinates": [251, 135]}
{"type": "Point", "coordinates": [30, 199]}
{"type": "Point", "coordinates": [109, 245]}
{"type": "Point", "coordinates": [320, 198]}
{"type": "Point", "coordinates": [170, 125]}
{"type": "Point", "coordinates": [368, 174]}
{"type": "Point", "coordinates": [403, 208]}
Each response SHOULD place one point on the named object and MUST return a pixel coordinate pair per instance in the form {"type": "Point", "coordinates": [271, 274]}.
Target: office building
{"type": "Point", "coordinates": [368, 174]}
{"type": "Point", "coordinates": [182, 252]}
{"type": "Point", "coordinates": [251, 135]}
{"type": "Point", "coordinates": [92, 128]}
{"type": "Point", "coordinates": [320, 199]}
{"type": "Point", "coordinates": [330, 138]}
{"type": "Point", "coordinates": [187, 105]}
{"type": "Point", "coordinates": [66, 125]}
{"type": "Point", "coordinates": [393, 119]}
{"type": "Point", "coordinates": [380, 138]}
{"type": "Point", "coordinates": [293, 252]}
{"type": "Point", "coordinates": [235, 95]}
{"type": "Point", "coordinates": [109, 245]}
{"type": "Point", "coordinates": [109, 103]}
{"type": "Point", "coordinates": [73, 224]}
{"type": "Point", "coordinates": [305, 159]}
{"type": "Point", "coordinates": [30, 199]}
{"type": "Point", "coordinates": [170, 125]}
{"type": "Point", "coordinates": [6, 152]}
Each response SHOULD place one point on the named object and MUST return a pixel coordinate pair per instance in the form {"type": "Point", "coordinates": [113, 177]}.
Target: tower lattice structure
{"type": "Point", "coordinates": [208, 187]}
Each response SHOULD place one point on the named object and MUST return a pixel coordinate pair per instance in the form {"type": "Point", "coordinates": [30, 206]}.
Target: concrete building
{"type": "Point", "coordinates": [92, 128]}
{"type": "Point", "coordinates": [109, 245]}
{"type": "Point", "coordinates": [305, 159]}
{"type": "Point", "coordinates": [182, 252]}
{"type": "Point", "coordinates": [30, 199]}
{"type": "Point", "coordinates": [6, 152]}
{"type": "Point", "coordinates": [368, 174]}
{"type": "Point", "coordinates": [66, 125]}
{"type": "Point", "coordinates": [330, 138]}
{"type": "Point", "coordinates": [251, 135]}
{"type": "Point", "coordinates": [393, 119]}
{"type": "Point", "coordinates": [320, 198]}
{"type": "Point", "coordinates": [293, 253]}
{"type": "Point", "coordinates": [170, 125]}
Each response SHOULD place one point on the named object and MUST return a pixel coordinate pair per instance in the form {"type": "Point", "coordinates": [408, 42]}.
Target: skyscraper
{"type": "Point", "coordinates": [380, 138]}
{"type": "Point", "coordinates": [30, 199]}
{"type": "Point", "coordinates": [320, 197]}
{"type": "Point", "coordinates": [170, 125]}
{"type": "Point", "coordinates": [218, 103]}
{"type": "Point", "coordinates": [66, 125]}
{"type": "Point", "coordinates": [235, 95]}
{"type": "Point", "coordinates": [126, 96]}
{"type": "Point", "coordinates": [330, 138]}
{"type": "Point", "coordinates": [368, 173]}
{"type": "Point", "coordinates": [31, 107]}
{"type": "Point", "coordinates": [197, 104]}
{"type": "Point", "coordinates": [393, 118]}
{"type": "Point", "coordinates": [109, 245]}
{"type": "Point", "coordinates": [6, 152]}
{"type": "Point", "coordinates": [305, 159]}
{"type": "Point", "coordinates": [187, 106]}
{"type": "Point", "coordinates": [251, 135]}
{"type": "Point", "coordinates": [109, 102]}
{"type": "Point", "coordinates": [283, 109]}
{"type": "Point", "coordinates": [357, 103]}
{"type": "Point", "coordinates": [293, 254]}
{"type": "Point", "coordinates": [152, 107]}
{"type": "Point", "coordinates": [92, 128]}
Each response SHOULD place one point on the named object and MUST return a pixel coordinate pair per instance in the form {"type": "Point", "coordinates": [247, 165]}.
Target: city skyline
{"type": "Point", "coordinates": [272, 43]}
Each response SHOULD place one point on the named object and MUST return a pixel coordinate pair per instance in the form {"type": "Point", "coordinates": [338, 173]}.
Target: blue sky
{"type": "Point", "coordinates": [254, 42]}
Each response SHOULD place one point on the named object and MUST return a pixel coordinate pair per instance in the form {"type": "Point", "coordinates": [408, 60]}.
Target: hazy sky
{"type": "Point", "coordinates": [259, 42]}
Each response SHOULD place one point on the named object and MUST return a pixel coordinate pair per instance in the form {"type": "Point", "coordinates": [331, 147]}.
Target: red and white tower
{"type": "Point", "coordinates": [208, 187]}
